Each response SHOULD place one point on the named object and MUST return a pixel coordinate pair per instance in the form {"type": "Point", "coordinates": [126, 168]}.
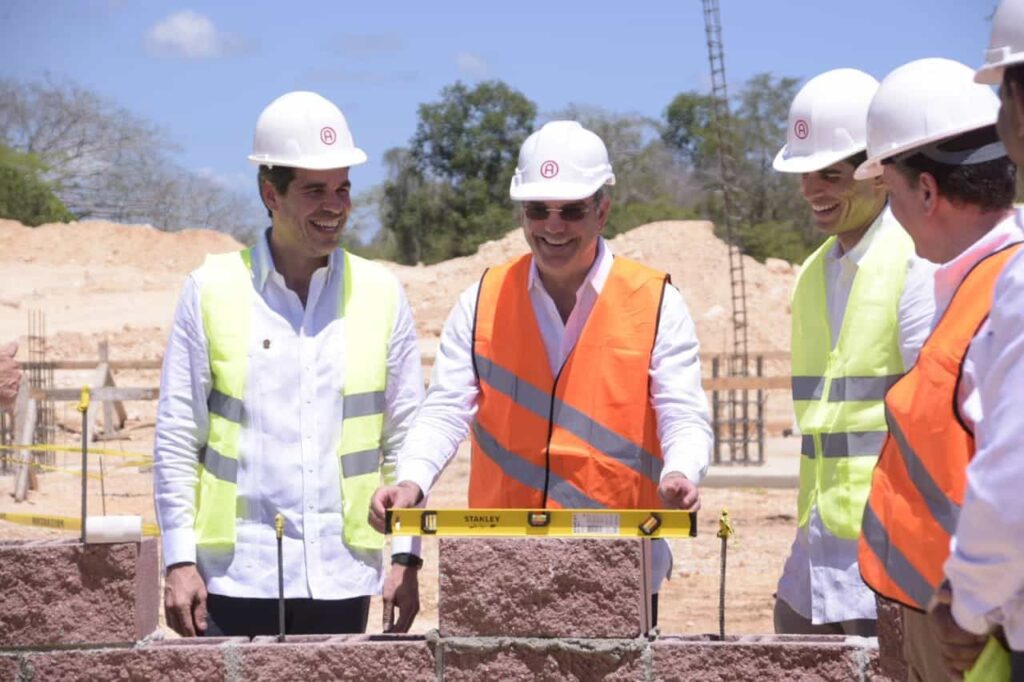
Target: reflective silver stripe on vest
{"type": "Point", "coordinates": [807, 446]}
{"type": "Point", "coordinates": [896, 564]}
{"type": "Point", "coordinates": [363, 404]}
{"type": "Point", "coordinates": [852, 444]}
{"type": "Point", "coordinates": [807, 388]}
{"type": "Point", "coordinates": [225, 406]}
{"type": "Point", "coordinates": [221, 467]}
{"type": "Point", "coordinates": [531, 475]}
{"type": "Point", "coordinates": [359, 463]}
{"type": "Point", "coordinates": [861, 388]}
{"type": "Point", "coordinates": [944, 510]}
{"type": "Point", "coordinates": [572, 420]}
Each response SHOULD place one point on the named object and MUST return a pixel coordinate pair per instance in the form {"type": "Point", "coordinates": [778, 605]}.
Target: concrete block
{"type": "Point", "coordinates": [792, 657]}
{"type": "Point", "coordinates": [526, 660]}
{"type": "Point", "coordinates": [890, 639]}
{"type": "Point", "coordinates": [149, 663]}
{"type": "Point", "coordinates": [10, 666]}
{"type": "Point", "coordinates": [338, 658]}
{"type": "Point", "coordinates": [578, 588]}
{"type": "Point", "coordinates": [62, 592]}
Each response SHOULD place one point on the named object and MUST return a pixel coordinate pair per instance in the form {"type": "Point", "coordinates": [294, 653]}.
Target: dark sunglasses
{"type": "Point", "coordinates": [570, 213]}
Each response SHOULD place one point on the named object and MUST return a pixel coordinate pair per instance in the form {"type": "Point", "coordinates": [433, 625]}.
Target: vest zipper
{"type": "Point", "coordinates": [551, 431]}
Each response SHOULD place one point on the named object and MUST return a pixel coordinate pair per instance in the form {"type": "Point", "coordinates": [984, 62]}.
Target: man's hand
{"type": "Point", "coordinates": [185, 600]}
{"type": "Point", "coordinates": [10, 375]}
{"type": "Point", "coordinates": [960, 648]}
{"type": "Point", "coordinates": [679, 492]}
{"type": "Point", "coordinates": [401, 590]}
{"type": "Point", "coordinates": [402, 496]}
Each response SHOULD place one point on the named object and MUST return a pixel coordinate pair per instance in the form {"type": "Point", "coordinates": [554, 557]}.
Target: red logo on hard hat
{"type": "Point", "coordinates": [327, 135]}
{"type": "Point", "coordinates": [549, 169]}
{"type": "Point", "coordinates": [801, 129]}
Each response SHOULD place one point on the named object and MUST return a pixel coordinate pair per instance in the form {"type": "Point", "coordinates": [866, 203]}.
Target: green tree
{"type": "Point", "coordinates": [770, 218]}
{"type": "Point", "coordinates": [448, 192]}
{"type": "Point", "coordinates": [24, 195]}
{"type": "Point", "coordinates": [104, 162]}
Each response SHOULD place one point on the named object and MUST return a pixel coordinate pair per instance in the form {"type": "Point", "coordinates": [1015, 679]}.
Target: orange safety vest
{"type": "Point", "coordinates": [586, 438]}
{"type": "Point", "coordinates": [918, 484]}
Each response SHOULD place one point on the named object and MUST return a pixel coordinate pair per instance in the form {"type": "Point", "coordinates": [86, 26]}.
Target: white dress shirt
{"type": "Point", "coordinates": [677, 397]}
{"type": "Point", "coordinates": [986, 564]}
{"type": "Point", "coordinates": [821, 579]}
{"type": "Point", "coordinates": [289, 462]}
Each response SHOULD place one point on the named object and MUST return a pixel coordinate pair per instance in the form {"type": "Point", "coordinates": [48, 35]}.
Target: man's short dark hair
{"type": "Point", "coordinates": [989, 185]}
{"type": "Point", "coordinates": [857, 159]}
{"type": "Point", "coordinates": [278, 176]}
{"type": "Point", "coordinates": [1014, 75]}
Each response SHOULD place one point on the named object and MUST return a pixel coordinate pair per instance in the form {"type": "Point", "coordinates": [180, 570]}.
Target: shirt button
{"type": "Point", "coordinates": [310, 507]}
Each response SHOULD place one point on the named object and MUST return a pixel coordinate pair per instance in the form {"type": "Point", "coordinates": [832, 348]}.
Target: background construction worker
{"type": "Point", "coordinates": [932, 137]}
{"type": "Point", "coordinates": [579, 372]}
{"type": "Point", "coordinates": [985, 571]}
{"type": "Point", "coordinates": [10, 375]}
{"type": "Point", "coordinates": [862, 307]}
{"type": "Point", "coordinates": [291, 375]}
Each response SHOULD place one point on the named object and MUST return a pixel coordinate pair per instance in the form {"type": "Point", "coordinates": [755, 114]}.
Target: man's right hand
{"type": "Point", "coordinates": [402, 496]}
{"type": "Point", "coordinates": [185, 600]}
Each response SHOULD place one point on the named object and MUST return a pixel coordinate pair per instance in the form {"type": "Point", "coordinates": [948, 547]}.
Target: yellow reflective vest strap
{"type": "Point", "coordinates": [225, 301]}
{"type": "Point", "coordinates": [838, 393]}
{"type": "Point", "coordinates": [992, 665]}
{"type": "Point", "coordinates": [370, 304]}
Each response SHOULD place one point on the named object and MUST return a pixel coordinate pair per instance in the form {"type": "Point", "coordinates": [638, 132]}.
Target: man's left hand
{"type": "Point", "coordinates": [401, 591]}
{"type": "Point", "coordinates": [679, 492]}
{"type": "Point", "coordinates": [960, 648]}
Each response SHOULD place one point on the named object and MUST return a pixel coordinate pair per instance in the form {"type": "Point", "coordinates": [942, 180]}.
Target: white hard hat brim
{"type": "Point", "coordinates": [872, 168]}
{"type": "Point", "coordinates": [990, 74]}
{"type": "Point", "coordinates": [810, 163]}
{"type": "Point", "coordinates": [556, 191]}
{"type": "Point", "coordinates": [345, 159]}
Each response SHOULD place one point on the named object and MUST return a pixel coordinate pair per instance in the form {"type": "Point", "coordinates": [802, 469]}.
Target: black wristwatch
{"type": "Point", "coordinates": [407, 559]}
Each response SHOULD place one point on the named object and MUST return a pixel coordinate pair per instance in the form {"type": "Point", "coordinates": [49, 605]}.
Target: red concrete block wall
{"type": "Point", "coordinates": [890, 639]}
{"type": "Point", "coordinates": [64, 592]}
{"type": "Point", "coordinates": [544, 587]}
{"type": "Point", "coordinates": [767, 657]}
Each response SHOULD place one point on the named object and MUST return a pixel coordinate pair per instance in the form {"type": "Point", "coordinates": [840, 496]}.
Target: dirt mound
{"type": "Point", "coordinates": [94, 242]}
{"type": "Point", "coordinates": [95, 278]}
{"type": "Point", "coordinates": [696, 259]}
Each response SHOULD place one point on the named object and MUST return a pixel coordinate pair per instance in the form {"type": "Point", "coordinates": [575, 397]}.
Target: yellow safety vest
{"type": "Point", "coordinates": [838, 393]}
{"type": "Point", "coordinates": [369, 304]}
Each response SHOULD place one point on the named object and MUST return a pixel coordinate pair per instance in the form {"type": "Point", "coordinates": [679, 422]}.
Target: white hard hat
{"type": "Point", "coordinates": [304, 130]}
{"type": "Point", "coordinates": [563, 161]}
{"type": "Point", "coordinates": [1006, 46]}
{"type": "Point", "coordinates": [827, 121]}
{"type": "Point", "coordinates": [921, 102]}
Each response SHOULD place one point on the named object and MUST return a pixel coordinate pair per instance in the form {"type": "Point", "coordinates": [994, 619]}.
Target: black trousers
{"type": "Point", "coordinates": [1016, 666]}
{"type": "Point", "coordinates": [239, 616]}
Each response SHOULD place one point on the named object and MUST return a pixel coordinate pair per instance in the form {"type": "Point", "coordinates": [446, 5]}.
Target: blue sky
{"type": "Point", "coordinates": [203, 71]}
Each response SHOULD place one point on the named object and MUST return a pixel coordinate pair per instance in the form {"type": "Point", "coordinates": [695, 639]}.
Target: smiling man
{"type": "Point", "coordinates": [577, 371]}
{"type": "Point", "coordinates": [861, 310]}
{"type": "Point", "coordinates": [290, 378]}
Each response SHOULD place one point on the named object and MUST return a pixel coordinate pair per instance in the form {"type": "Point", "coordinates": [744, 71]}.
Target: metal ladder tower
{"type": "Point", "coordinates": [738, 363]}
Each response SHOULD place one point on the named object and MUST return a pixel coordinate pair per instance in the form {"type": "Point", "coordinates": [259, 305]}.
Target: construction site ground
{"type": "Point", "coordinates": [98, 282]}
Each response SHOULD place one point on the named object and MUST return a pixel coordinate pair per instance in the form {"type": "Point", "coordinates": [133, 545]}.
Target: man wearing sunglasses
{"type": "Point", "coordinates": [576, 372]}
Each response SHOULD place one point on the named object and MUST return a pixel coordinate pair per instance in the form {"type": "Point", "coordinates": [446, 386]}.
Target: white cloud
{"type": "Point", "coordinates": [471, 65]}
{"type": "Point", "coordinates": [190, 35]}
